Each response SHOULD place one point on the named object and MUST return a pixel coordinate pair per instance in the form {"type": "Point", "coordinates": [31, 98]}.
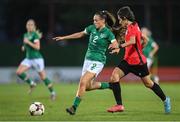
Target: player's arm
{"type": "Point", "coordinates": [71, 36]}
{"type": "Point", "coordinates": [35, 45]}
{"type": "Point", "coordinates": [23, 48]}
{"type": "Point", "coordinates": [131, 41]}
{"type": "Point", "coordinates": [144, 39]}
{"type": "Point", "coordinates": [155, 49]}
{"type": "Point", "coordinates": [114, 46]}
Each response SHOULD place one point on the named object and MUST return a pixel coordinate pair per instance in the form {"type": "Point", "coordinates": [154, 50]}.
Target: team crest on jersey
{"type": "Point", "coordinates": [30, 37]}
{"type": "Point", "coordinates": [102, 35]}
{"type": "Point", "coordinates": [94, 32]}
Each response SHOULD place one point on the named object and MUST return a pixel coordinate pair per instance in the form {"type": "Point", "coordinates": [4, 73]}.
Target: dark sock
{"type": "Point", "coordinates": [158, 91]}
{"type": "Point", "coordinates": [76, 103]}
{"type": "Point", "coordinates": [116, 88]}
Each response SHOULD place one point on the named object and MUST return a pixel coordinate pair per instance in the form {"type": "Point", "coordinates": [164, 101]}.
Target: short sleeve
{"type": "Point", "coordinates": [36, 37]}
{"type": "Point", "coordinates": [111, 37]}
{"type": "Point", "coordinates": [88, 29]}
{"type": "Point", "coordinates": [25, 36]}
{"type": "Point", "coordinates": [134, 31]}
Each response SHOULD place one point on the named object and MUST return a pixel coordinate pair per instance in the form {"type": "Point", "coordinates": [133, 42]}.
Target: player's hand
{"type": "Point", "coordinates": [151, 55]}
{"type": "Point", "coordinates": [26, 41]}
{"type": "Point", "coordinates": [22, 48]}
{"type": "Point", "coordinates": [110, 46]}
{"type": "Point", "coordinates": [58, 38]}
{"type": "Point", "coordinates": [115, 51]}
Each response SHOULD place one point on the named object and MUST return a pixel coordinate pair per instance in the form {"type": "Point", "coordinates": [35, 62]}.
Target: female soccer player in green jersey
{"type": "Point", "coordinates": [149, 51]}
{"type": "Point", "coordinates": [100, 37]}
{"type": "Point", "coordinates": [33, 58]}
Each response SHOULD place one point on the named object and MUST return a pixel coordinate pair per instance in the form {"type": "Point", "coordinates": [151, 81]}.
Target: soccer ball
{"type": "Point", "coordinates": [36, 109]}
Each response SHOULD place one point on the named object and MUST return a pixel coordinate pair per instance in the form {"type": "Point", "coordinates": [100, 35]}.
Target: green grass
{"type": "Point", "coordinates": [140, 103]}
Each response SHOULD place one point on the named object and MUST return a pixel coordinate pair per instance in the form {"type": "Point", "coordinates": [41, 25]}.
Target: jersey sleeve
{"type": "Point", "coordinates": [25, 36]}
{"type": "Point", "coordinates": [87, 30]}
{"type": "Point", "coordinates": [36, 38]}
{"type": "Point", "coordinates": [111, 37]}
{"type": "Point", "coordinates": [134, 31]}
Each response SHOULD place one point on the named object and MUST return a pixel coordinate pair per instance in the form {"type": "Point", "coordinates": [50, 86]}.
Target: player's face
{"type": "Point", "coordinates": [98, 21]}
{"type": "Point", "coordinates": [123, 22]}
{"type": "Point", "coordinates": [30, 26]}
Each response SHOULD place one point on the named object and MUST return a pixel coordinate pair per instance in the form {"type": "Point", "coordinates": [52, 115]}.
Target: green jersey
{"type": "Point", "coordinates": [149, 47]}
{"type": "Point", "coordinates": [32, 53]}
{"type": "Point", "coordinates": [99, 41]}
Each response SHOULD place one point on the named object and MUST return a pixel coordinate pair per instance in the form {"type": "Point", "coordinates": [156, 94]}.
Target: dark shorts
{"type": "Point", "coordinates": [139, 70]}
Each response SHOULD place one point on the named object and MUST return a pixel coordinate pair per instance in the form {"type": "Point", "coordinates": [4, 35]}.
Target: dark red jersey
{"type": "Point", "coordinates": [133, 53]}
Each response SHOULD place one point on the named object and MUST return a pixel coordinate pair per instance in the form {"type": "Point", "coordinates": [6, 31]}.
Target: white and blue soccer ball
{"type": "Point", "coordinates": [36, 109]}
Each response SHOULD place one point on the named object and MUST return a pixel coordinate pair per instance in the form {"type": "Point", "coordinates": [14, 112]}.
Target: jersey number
{"type": "Point", "coordinates": [95, 38]}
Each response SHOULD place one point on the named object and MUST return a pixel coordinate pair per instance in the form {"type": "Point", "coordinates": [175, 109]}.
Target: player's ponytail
{"type": "Point", "coordinates": [39, 33]}
{"type": "Point", "coordinates": [108, 17]}
{"type": "Point", "coordinates": [119, 33]}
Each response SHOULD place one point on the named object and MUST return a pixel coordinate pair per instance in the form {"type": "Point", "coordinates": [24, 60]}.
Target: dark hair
{"type": "Point", "coordinates": [119, 33]}
{"type": "Point", "coordinates": [108, 17]}
{"type": "Point", "coordinates": [126, 13]}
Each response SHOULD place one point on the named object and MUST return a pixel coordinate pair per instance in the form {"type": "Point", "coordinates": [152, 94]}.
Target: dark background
{"type": "Point", "coordinates": [60, 17]}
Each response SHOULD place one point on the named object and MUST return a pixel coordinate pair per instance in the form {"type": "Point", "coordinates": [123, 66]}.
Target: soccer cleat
{"type": "Point", "coordinates": [53, 96]}
{"type": "Point", "coordinates": [32, 86]}
{"type": "Point", "coordinates": [71, 110]}
{"type": "Point", "coordinates": [167, 105]}
{"type": "Point", "coordinates": [116, 108]}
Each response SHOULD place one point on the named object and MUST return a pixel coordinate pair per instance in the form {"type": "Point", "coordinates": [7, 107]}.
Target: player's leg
{"type": "Point", "coordinates": [158, 91]}
{"type": "Point", "coordinates": [94, 67]}
{"type": "Point", "coordinates": [85, 79]}
{"type": "Point", "coordinates": [93, 85]}
{"type": "Point", "coordinates": [154, 70]}
{"type": "Point", "coordinates": [21, 73]}
{"type": "Point", "coordinates": [150, 62]}
{"type": "Point", "coordinates": [117, 74]}
{"type": "Point", "coordinates": [48, 83]}
{"type": "Point", "coordinates": [39, 66]}
{"type": "Point", "coordinates": [23, 67]}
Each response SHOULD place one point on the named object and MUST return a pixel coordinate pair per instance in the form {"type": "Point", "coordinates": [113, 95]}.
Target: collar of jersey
{"type": "Point", "coordinates": [102, 30]}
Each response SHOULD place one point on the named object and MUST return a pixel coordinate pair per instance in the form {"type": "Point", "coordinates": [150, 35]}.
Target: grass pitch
{"type": "Point", "coordinates": [140, 103]}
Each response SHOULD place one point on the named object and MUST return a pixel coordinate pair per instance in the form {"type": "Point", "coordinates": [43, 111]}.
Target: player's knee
{"type": "Point", "coordinates": [114, 78]}
{"type": "Point", "coordinates": [148, 84]}
{"type": "Point", "coordinates": [82, 84]}
{"type": "Point", "coordinates": [18, 72]}
{"type": "Point", "coordinates": [42, 78]}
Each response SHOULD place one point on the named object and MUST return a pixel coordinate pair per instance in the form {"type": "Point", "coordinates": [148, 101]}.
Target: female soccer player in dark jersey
{"type": "Point", "coordinates": [34, 59]}
{"type": "Point", "coordinates": [100, 39]}
{"type": "Point", "coordinates": [134, 61]}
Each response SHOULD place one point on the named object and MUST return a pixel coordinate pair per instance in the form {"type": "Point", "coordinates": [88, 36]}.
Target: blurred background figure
{"type": "Point", "coordinates": [33, 59]}
{"type": "Point", "coordinates": [150, 51]}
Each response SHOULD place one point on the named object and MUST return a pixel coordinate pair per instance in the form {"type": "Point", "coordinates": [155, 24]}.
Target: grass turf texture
{"type": "Point", "coordinates": [140, 103]}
